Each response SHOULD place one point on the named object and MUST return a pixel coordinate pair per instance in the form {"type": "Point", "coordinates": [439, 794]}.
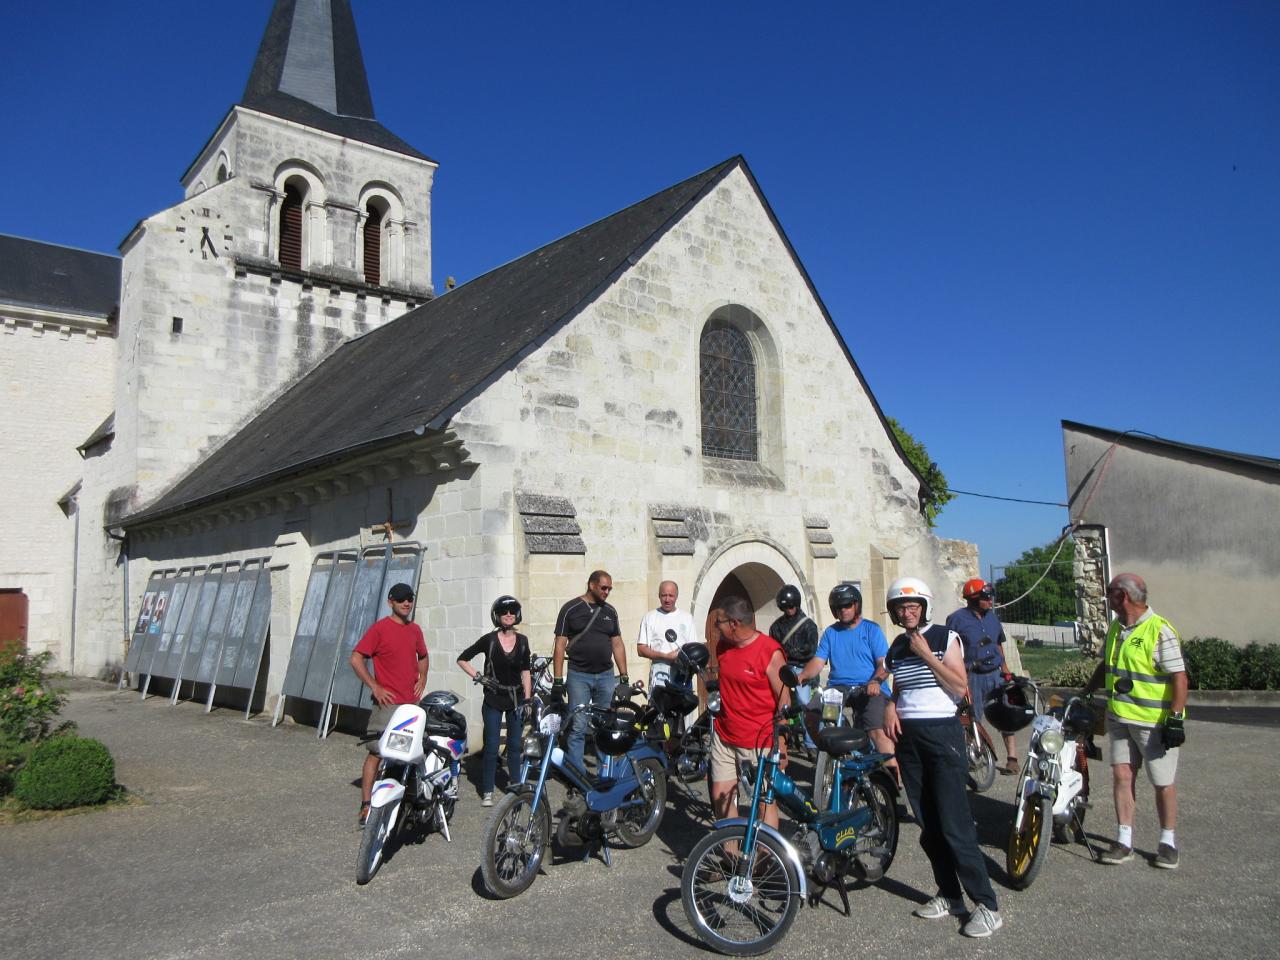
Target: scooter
{"type": "Point", "coordinates": [417, 783]}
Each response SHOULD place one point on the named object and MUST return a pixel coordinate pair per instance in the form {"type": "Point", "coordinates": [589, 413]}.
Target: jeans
{"type": "Point", "coordinates": [493, 717]}
{"type": "Point", "coordinates": [935, 769]}
{"type": "Point", "coordinates": [583, 688]}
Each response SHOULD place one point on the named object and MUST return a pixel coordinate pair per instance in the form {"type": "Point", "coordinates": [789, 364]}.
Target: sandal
{"type": "Point", "coordinates": [363, 817]}
{"type": "Point", "coordinates": [1011, 766]}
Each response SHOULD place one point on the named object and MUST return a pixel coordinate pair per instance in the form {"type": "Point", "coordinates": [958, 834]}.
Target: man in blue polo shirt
{"type": "Point", "coordinates": [983, 638]}
{"type": "Point", "coordinates": [856, 649]}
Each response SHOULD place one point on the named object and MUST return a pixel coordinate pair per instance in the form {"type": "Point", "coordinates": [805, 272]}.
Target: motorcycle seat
{"type": "Point", "coordinates": [839, 741]}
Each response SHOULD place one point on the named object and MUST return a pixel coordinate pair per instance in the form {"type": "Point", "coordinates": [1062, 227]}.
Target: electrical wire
{"type": "Point", "coordinates": [992, 496]}
{"type": "Point", "coordinates": [1062, 540]}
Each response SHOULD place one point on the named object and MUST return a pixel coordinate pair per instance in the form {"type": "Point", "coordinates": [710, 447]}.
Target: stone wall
{"type": "Point", "coordinates": [1090, 573]}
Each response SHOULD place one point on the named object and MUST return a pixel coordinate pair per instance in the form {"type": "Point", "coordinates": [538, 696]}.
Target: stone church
{"type": "Point", "coordinates": [241, 430]}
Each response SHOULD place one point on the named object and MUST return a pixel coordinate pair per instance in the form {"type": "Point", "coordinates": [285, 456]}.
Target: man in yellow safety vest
{"type": "Point", "coordinates": [1146, 684]}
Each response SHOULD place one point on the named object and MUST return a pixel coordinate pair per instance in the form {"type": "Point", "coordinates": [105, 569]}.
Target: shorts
{"type": "Point", "coordinates": [726, 758]}
{"type": "Point", "coordinates": [379, 717]}
{"type": "Point", "coordinates": [1131, 744]}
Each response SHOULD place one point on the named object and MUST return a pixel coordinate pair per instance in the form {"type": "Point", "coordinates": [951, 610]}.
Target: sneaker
{"type": "Point", "coordinates": [983, 922]}
{"type": "Point", "coordinates": [1167, 857]}
{"type": "Point", "coordinates": [939, 907]}
{"type": "Point", "coordinates": [487, 799]}
{"type": "Point", "coordinates": [1116, 853]}
{"type": "Point", "coordinates": [363, 816]}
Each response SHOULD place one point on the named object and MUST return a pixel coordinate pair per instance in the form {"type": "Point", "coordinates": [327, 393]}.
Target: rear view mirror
{"type": "Point", "coordinates": [789, 676]}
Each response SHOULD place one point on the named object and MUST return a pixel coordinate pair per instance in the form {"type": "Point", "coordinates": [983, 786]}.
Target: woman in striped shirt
{"type": "Point", "coordinates": [927, 663]}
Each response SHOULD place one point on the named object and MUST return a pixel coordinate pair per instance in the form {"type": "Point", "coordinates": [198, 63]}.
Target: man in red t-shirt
{"type": "Point", "coordinates": [750, 690]}
{"type": "Point", "coordinates": [399, 656]}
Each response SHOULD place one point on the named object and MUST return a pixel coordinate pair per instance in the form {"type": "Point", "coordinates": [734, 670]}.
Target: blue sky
{"type": "Point", "coordinates": [1016, 214]}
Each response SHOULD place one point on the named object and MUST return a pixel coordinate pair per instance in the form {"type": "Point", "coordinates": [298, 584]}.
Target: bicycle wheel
{"type": "Point", "coordinates": [738, 908]}
{"type": "Point", "coordinates": [982, 758]}
{"type": "Point", "coordinates": [1028, 847]}
{"type": "Point", "coordinates": [515, 840]}
{"type": "Point", "coordinates": [879, 841]}
{"type": "Point", "coordinates": [637, 825]}
{"type": "Point", "coordinates": [374, 839]}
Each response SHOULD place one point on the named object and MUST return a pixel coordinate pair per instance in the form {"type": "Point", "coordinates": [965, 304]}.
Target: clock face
{"type": "Point", "coordinates": [202, 232]}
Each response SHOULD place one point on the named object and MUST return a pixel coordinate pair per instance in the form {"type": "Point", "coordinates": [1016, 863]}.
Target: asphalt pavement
{"type": "Point", "coordinates": [244, 846]}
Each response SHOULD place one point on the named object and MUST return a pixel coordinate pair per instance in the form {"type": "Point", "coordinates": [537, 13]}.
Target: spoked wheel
{"type": "Point", "coordinates": [738, 908]}
{"type": "Point", "coordinates": [637, 824]}
{"type": "Point", "coordinates": [982, 758]}
{"type": "Point", "coordinates": [377, 834]}
{"type": "Point", "coordinates": [515, 840]}
{"type": "Point", "coordinates": [695, 747]}
{"type": "Point", "coordinates": [1029, 846]}
{"type": "Point", "coordinates": [879, 841]}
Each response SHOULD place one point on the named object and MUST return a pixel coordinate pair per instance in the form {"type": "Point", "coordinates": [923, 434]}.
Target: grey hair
{"type": "Point", "coordinates": [1134, 587]}
{"type": "Point", "coordinates": [737, 608]}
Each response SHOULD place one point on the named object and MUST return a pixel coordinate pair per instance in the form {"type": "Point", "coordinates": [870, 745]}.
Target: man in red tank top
{"type": "Point", "coordinates": [750, 689]}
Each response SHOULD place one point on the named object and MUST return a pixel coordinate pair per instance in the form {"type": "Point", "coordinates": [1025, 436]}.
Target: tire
{"type": "Point", "coordinates": [879, 794]}
{"type": "Point", "coordinates": [982, 758]}
{"type": "Point", "coordinates": [509, 862]}
{"type": "Point", "coordinates": [767, 908]}
{"type": "Point", "coordinates": [637, 825]}
{"type": "Point", "coordinates": [696, 745]}
{"type": "Point", "coordinates": [822, 778]}
{"type": "Point", "coordinates": [378, 831]}
{"type": "Point", "coordinates": [1029, 847]}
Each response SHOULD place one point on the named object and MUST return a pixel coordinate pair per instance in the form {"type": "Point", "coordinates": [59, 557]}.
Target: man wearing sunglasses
{"type": "Point", "coordinates": [983, 638]}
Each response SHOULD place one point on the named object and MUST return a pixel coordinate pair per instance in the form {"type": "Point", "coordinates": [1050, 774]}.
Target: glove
{"type": "Point", "coordinates": [1006, 675]}
{"type": "Point", "coordinates": [1173, 734]}
{"type": "Point", "coordinates": [557, 688]}
{"type": "Point", "coordinates": [624, 680]}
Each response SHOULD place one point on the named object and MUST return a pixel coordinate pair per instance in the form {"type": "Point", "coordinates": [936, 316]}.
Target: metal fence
{"type": "Point", "coordinates": [1036, 602]}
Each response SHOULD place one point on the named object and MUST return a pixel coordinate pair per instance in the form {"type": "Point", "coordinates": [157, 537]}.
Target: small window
{"type": "Point", "coordinates": [728, 393]}
{"type": "Point", "coordinates": [222, 173]}
{"type": "Point", "coordinates": [291, 227]}
{"type": "Point", "coordinates": [373, 242]}
{"type": "Point", "coordinates": [177, 325]}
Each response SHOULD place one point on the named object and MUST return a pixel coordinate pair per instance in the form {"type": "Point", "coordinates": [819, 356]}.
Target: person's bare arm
{"type": "Point", "coordinates": [812, 669]}
{"type": "Point", "coordinates": [949, 671]}
{"type": "Point", "coordinates": [359, 663]}
{"type": "Point", "coordinates": [619, 653]}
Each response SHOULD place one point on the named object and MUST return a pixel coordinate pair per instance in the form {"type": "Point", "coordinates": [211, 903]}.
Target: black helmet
{"type": "Point", "coordinates": [788, 596]}
{"type": "Point", "coordinates": [504, 604]}
{"type": "Point", "coordinates": [1010, 706]}
{"type": "Point", "coordinates": [694, 657]}
{"type": "Point", "coordinates": [843, 594]}
{"type": "Point", "coordinates": [616, 732]}
{"type": "Point", "coordinates": [1077, 718]}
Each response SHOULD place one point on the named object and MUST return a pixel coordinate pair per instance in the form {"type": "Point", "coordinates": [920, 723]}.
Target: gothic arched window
{"type": "Point", "coordinates": [291, 226]}
{"type": "Point", "coordinates": [727, 380]}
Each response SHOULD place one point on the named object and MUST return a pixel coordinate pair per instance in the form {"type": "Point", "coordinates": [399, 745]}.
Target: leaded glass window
{"type": "Point", "coordinates": [728, 388]}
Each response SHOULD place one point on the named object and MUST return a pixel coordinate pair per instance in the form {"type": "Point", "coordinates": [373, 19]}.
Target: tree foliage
{"type": "Point", "coordinates": [1053, 599]}
{"type": "Point", "coordinates": [938, 494]}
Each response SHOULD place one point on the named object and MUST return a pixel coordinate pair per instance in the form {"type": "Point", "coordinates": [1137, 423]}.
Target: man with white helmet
{"type": "Point", "coordinates": [929, 679]}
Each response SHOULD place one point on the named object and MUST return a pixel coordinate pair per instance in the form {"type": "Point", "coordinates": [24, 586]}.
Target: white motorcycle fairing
{"type": "Point", "coordinates": [402, 739]}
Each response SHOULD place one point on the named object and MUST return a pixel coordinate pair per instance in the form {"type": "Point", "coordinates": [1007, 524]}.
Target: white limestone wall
{"type": "Point", "coordinates": [56, 383]}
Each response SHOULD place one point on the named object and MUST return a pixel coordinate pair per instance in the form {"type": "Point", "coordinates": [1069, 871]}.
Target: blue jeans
{"type": "Point", "coordinates": [493, 718]}
{"type": "Point", "coordinates": [583, 688]}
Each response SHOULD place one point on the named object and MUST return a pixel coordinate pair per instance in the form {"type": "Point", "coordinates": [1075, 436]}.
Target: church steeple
{"type": "Point", "coordinates": [310, 51]}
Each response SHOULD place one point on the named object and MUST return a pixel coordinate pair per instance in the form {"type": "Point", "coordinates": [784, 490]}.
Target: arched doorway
{"type": "Point", "coordinates": [754, 569]}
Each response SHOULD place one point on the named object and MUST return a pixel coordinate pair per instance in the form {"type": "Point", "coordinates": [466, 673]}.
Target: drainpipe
{"type": "Point", "coordinates": [75, 586]}
{"type": "Point", "coordinates": [124, 553]}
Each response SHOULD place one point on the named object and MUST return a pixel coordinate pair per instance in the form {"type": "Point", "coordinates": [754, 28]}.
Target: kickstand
{"type": "Point", "coordinates": [1079, 825]}
{"type": "Point", "coordinates": [443, 822]}
{"type": "Point", "coordinates": [838, 883]}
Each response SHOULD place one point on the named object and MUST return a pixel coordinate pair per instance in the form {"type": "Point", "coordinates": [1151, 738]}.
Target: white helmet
{"type": "Point", "coordinates": [909, 588]}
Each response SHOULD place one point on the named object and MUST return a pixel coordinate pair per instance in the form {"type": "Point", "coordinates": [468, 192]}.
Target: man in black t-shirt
{"type": "Point", "coordinates": [588, 632]}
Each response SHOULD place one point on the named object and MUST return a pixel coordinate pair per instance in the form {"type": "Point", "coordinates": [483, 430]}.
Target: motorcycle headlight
{"type": "Point", "coordinates": [1052, 741]}
{"type": "Point", "coordinates": [713, 701]}
{"type": "Point", "coordinates": [549, 725]}
{"type": "Point", "coordinates": [402, 742]}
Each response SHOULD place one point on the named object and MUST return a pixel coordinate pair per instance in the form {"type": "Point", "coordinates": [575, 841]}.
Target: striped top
{"type": "Point", "coordinates": [916, 691]}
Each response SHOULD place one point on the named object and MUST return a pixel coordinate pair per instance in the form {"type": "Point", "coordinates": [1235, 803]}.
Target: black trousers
{"type": "Point", "coordinates": [931, 756]}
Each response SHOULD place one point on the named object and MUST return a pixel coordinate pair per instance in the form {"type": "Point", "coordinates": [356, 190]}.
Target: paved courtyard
{"type": "Point", "coordinates": [245, 844]}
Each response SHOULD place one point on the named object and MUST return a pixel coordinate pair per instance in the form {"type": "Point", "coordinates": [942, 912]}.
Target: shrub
{"type": "Point", "coordinates": [1260, 667]}
{"type": "Point", "coordinates": [28, 703]}
{"type": "Point", "coordinates": [1072, 673]}
{"type": "Point", "coordinates": [1212, 664]}
{"type": "Point", "coordinates": [66, 772]}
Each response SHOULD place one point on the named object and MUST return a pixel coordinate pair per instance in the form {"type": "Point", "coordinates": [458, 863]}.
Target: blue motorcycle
{"type": "Point", "coordinates": [624, 802]}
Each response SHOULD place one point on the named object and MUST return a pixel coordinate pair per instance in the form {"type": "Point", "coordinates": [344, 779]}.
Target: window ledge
{"type": "Point", "coordinates": [740, 473]}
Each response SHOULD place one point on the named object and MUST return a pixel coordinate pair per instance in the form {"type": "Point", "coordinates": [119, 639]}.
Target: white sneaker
{"type": "Point", "coordinates": [487, 799]}
{"type": "Point", "coordinates": [983, 922]}
{"type": "Point", "coordinates": [939, 907]}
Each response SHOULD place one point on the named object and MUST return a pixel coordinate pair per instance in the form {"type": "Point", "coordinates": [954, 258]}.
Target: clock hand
{"type": "Point", "coordinates": [207, 241]}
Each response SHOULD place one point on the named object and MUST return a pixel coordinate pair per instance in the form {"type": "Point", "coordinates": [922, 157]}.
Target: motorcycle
{"type": "Point", "coordinates": [1052, 796]}
{"type": "Point", "coordinates": [744, 882]}
{"type": "Point", "coordinates": [417, 783]}
{"type": "Point", "coordinates": [979, 750]}
{"type": "Point", "coordinates": [624, 802]}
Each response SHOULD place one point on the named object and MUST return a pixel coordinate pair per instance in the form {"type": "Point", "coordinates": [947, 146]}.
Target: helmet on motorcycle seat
{"type": "Point", "coordinates": [1077, 719]}
{"type": "Point", "coordinates": [909, 588]}
{"type": "Point", "coordinates": [615, 732]}
{"type": "Point", "coordinates": [693, 657]}
{"type": "Point", "coordinates": [1010, 706]}
{"type": "Point", "coordinates": [975, 588]}
{"type": "Point", "coordinates": [439, 700]}
{"type": "Point", "coordinates": [841, 596]}
{"type": "Point", "coordinates": [788, 596]}
{"type": "Point", "coordinates": [504, 604]}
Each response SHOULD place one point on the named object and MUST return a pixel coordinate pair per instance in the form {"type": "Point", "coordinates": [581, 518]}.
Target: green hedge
{"type": "Point", "coordinates": [66, 772]}
{"type": "Point", "coordinates": [1212, 664]}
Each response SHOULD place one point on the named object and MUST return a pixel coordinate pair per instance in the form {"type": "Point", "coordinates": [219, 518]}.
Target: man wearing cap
{"type": "Point", "coordinates": [982, 635]}
{"type": "Point", "coordinates": [398, 653]}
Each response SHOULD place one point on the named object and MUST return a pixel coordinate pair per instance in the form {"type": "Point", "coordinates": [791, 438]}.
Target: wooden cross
{"type": "Point", "coordinates": [389, 526]}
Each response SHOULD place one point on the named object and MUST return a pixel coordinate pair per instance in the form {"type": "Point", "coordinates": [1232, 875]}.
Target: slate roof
{"type": "Point", "coordinates": [36, 274]}
{"type": "Point", "coordinates": [417, 370]}
{"type": "Point", "coordinates": [1150, 440]}
{"type": "Point", "coordinates": [309, 69]}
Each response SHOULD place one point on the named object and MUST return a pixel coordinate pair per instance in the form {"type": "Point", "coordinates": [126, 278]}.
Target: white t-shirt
{"type": "Point", "coordinates": [653, 632]}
